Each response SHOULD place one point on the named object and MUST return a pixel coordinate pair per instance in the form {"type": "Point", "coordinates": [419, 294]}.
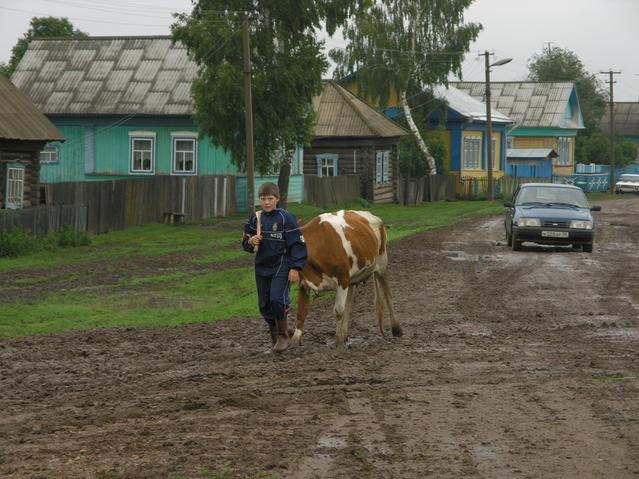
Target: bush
{"type": "Point", "coordinates": [18, 241]}
{"type": "Point", "coordinates": [68, 236]}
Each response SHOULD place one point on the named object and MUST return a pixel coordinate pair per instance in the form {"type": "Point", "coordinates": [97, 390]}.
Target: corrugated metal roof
{"type": "Point", "coordinates": [342, 114]}
{"type": "Point", "coordinates": [468, 106]}
{"type": "Point", "coordinates": [528, 153]}
{"type": "Point", "coordinates": [20, 119]}
{"type": "Point", "coordinates": [107, 75]}
{"type": "Point", "coordinates": [626, 119]}
{"type": "Point", "coordinates": [529, 104]}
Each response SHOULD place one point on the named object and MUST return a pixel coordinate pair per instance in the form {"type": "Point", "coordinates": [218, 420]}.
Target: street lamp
{"type": "Point", "coordinates": [489, 125]}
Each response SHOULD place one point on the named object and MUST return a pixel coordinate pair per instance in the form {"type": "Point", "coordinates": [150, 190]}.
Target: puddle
{"type": "Point", "coordinates": [461, 256]}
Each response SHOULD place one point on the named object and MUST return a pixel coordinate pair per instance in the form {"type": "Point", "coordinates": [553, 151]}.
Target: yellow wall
{"type": "Point", "coordinates": [550, 142]}
{"type": "Point", "coordinates": [478, 173]}
{"type": "Point", "coordinates": [393, 97]}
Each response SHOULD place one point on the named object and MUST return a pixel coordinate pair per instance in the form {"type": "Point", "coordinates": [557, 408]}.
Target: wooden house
{"type": "Point", "coordinates": [24, 131]}
{"type": "Point", "coordinates": [124, 104]}
{"type": "Point", "coordinates": [545, 115]}
{"type": "Point", "coordinates": [465, 133]}
{"type": "Point", "coordinates": [351, 137]}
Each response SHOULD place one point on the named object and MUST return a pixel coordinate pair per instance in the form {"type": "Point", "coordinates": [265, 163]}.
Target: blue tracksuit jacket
{"type": "Point", "coordinates": [282, 247]}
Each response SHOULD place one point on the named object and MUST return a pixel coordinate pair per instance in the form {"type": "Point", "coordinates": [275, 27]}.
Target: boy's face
{"type": "Point", "coordinates": [268, 202]}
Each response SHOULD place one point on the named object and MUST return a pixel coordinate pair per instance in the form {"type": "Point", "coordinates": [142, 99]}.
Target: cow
{"type": "Point", "coordinates": [345, 248]}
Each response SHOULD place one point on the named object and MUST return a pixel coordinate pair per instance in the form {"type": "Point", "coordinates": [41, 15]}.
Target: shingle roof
{"type": "Point", "coordinates": [626, 119]}
{"type": "Point", "coordinates": [529, 104]}
{"type": "Point", "coordinates": [468, 106]}
{"type": "Point", "coordinates": [20, 119]}
{"type": "Point", "coordinates": [342, 114]}
{"type": "Point", "coordinates": [107, 75]}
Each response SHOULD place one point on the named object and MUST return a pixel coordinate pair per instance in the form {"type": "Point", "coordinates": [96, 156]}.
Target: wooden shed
{"type": "Point", "coordinates": [351, 137]}
{"type": "Point", "coordinates": [24, 131]}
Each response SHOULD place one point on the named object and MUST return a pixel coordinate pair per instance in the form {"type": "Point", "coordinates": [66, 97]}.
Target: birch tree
{"type": "Point", "coordinates": [402, 47]}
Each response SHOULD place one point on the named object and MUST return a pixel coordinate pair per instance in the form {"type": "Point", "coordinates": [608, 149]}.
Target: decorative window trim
{"type": "Point", "coordinates": [11, 183]}
{"type": "Point", "coordinates": [50, 154]}
{"type": "Point", "coordinates": [174, 139]}
{"type": "Point", "coordinates": [323, 163]}
{"type": "Point", "coordinates": [476, 143]}
{"type": "Point", "coordinates": [382, 167]}
{"type": "Point", "coordinates": [142, 136]}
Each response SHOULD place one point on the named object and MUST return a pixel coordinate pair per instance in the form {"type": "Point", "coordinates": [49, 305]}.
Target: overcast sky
{"type": "Point", "coordinates": [603, 33]}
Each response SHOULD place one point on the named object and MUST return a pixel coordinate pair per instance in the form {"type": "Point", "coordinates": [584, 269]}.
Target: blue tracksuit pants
{"type": "Point", "coordinates": [273, 294]}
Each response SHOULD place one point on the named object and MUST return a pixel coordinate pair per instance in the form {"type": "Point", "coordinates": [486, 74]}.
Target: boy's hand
{"type": "Point", "coordinates": [293, 276]}
{"type": "Point", "coordinates": [255, 240]}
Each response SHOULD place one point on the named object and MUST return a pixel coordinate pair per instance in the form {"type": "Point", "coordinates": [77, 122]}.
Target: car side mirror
{"type": "Point", "coordinates": [595, 208]}
{"type": "Point", "coordinates": [508, 204]}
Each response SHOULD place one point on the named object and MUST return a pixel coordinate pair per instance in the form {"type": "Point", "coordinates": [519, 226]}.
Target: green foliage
{"type": "Point", "coordinates": [595, 148]}
{"type": "Point", "coordinates": [411, 158]}
{"type": "Point", "coordinates": [68, 236]}
{"type": "Point", "coordinates": [40, 27]}
{"type": "Point", "coordinates": [557, 64]}
{"type": "Point", "coordinates": [287, 67]}
{"type": "Point", "coordinates": [17, 241]}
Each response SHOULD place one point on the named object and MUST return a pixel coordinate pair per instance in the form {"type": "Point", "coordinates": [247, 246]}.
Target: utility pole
{"type": "Point", "coordinates": [611, 143]}
{"type": "Point", "coordinates": [549, 48]}
{"type": "Point", "coordinates": [489, 124]}
{"type": "Point", "coordinates": [248, 118]}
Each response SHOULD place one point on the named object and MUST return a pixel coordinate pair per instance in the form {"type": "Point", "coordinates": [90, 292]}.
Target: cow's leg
{"type": "Point", "coordinates": [395, 327]}
{"type": "Point", "coordinates": [379, 303]}
{"type": "Point", "coordinates": [341, 314]}
{"type": "Point", "coordinates": [303, 303]}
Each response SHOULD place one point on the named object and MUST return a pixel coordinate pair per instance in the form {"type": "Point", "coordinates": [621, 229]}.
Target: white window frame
{"type": "Point", "coordinates": [472, 153]}
{"type": "Point", "coordinates": [327, 163]}
{"type": "Point", "coordinates": [50, 154]}
{"type": "Point", "coordinates": [382, 167]}
{"type": "Point", "coordinates": [141, 136]}
{"type": "Point", "coordinates": [183, 136]}
{"type": "Point", "coordinates": [510, 142]}
{"type": "Point", "coordinates": [563, 151]}
{"type": "Point", "coordinates": [14, 186]}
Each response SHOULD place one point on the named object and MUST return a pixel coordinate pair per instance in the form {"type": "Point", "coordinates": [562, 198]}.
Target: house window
{"type": "Point", "coordinates": [494, 152]}
{"type": "Point", "coordinates": [382, 167]}
{"type": "Point", "coordinates": [327, 165]}
{"type": "Point", "coordinates": [142, 154]}
{"type": "Point", "coordinates": [510, 142]}
{"type": "Point", "coordinates": [49, 154]}
{"type": "Point", "coordinates": [472, 153]}
{"type": "Point", "coordinates": [184, 155]}
{"type": "Point", "coordinates": [563, 147]}
{"type": "Point", "coordinates": [15, 186]}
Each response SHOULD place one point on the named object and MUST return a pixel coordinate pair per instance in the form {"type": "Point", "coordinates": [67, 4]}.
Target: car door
{"type": "Point", "coordinates": [510, 213]}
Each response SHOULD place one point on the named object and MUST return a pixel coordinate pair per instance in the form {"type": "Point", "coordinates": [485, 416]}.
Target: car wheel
{"type": "Point", "coordinates": [587, 248]}
{"type": "Point", "coordinates": [516, 245]}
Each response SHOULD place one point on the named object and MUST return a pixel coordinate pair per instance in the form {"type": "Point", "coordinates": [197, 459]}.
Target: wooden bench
{"type": "Point", "coordinates": [172, 218]}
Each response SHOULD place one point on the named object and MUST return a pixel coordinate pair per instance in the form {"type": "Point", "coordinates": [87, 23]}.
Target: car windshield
{"type": "Point", "coordinates": [629, 178]}
{"type": "Point", "coordinates": [549, 195]}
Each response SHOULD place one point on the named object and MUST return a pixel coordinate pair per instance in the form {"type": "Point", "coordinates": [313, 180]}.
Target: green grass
{"type": "Point", "coordinates": [112, 287]}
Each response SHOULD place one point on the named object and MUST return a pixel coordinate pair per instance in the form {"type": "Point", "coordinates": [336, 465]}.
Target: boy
{"type": "Point", "coordinates": [274, 235]}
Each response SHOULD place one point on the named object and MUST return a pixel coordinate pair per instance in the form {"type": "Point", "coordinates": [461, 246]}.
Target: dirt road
{"type": "Point", "coordinates": [512, 365]}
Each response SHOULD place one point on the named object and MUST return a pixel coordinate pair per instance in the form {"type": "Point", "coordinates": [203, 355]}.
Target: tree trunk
{"type": "Point", "coordinates": [284, 177]}
{"type": "Point", "coordinates": [420, 141]}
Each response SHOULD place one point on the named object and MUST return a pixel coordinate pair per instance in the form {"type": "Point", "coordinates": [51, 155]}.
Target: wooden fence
{"type": "Point", "coordinates": [44, 219]}
{"type": "Point", "coordinates": [118, 204]}
{"type": "Point", "coordinates": [415, 191]}
{"type": "Point", "coordinates": [471, 188]}
{"type": "Point", "coordinates": [331, 190]}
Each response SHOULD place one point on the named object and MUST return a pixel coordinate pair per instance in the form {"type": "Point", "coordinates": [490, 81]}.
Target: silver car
{"type": "Point", "coordinates": [627, 184]}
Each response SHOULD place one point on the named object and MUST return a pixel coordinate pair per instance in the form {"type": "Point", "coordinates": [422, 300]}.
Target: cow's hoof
{"type": "Point", "coordinates": [296, 340]}
{"type": "Point", "coordinates": [281, 345]}
{"type": "Point", "coordinates": [397, 331]}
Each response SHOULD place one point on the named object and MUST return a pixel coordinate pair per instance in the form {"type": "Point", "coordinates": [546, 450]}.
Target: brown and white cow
{"type": "Point", "coordinates": [345, 248]}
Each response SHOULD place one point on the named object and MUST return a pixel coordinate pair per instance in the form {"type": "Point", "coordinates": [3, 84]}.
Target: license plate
{"type": "Point", "coordinates": [554, 234]}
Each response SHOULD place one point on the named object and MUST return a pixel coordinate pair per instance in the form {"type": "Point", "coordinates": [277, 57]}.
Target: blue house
{"type": "Point", "coordinates": [466, 134]}
{"type": "Point", "coordinates": [530, 162]}
{"type": "Point", "coordinates": [124, 106]}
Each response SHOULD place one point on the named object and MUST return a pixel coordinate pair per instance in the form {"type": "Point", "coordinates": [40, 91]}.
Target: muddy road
{"type": "Point", "coordinates": [512, 365]}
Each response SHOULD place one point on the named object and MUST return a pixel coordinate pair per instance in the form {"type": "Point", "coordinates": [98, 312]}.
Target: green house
{"type": "Point", "coordinates": [124, 106]}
